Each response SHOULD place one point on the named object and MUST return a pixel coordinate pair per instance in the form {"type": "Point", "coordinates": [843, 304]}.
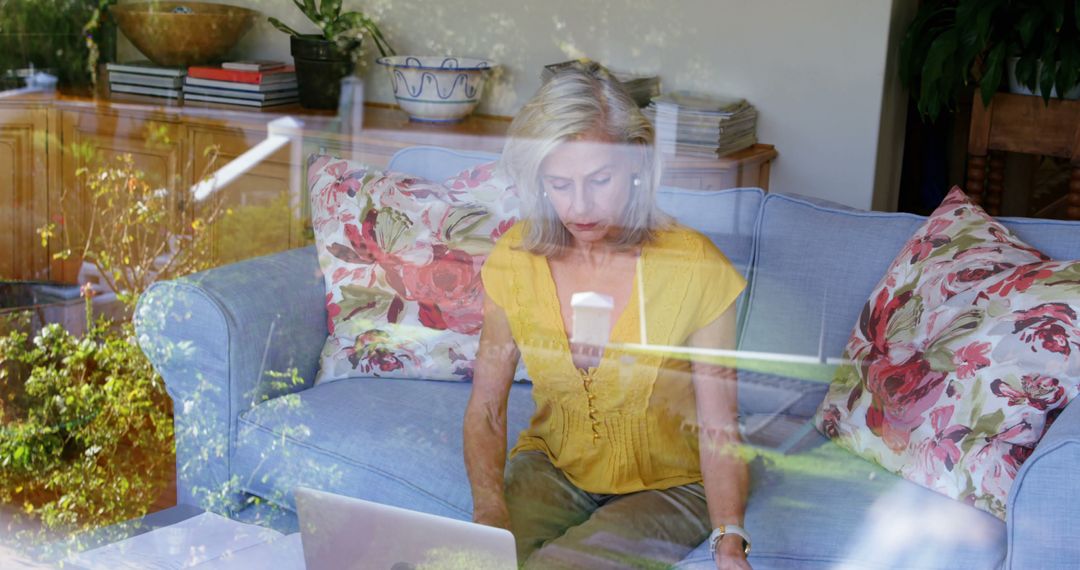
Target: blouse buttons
{"type": "Point", "coordinates": [586, 382]}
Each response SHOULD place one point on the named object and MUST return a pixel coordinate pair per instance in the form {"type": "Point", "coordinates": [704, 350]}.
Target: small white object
{"type": "Point", "coordinates": [592, 318]}
{"type": "Point", "coordinates": [280, 132]}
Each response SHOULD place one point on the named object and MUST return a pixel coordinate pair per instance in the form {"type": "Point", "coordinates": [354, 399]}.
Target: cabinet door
{"type": "Point", "coordinates": [23, 187]}
{"type": "Point", "coordinates": [262, 215]}
{"type": "Point", "coordinates": [93, 139]}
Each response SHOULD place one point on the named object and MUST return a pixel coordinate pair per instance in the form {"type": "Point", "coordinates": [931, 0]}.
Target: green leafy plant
{"type": "Point", "coordinates": [952, 45]}
{"type": "Point", "coordinates": [346, 29]}
{"type": "Point", "coordinates": [86, 430]}
{"type": "Point", "coordinates": [68, 37]}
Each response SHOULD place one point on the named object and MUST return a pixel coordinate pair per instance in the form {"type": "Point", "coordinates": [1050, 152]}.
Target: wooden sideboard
{"type": "Point", "coordinates": [38, 135]}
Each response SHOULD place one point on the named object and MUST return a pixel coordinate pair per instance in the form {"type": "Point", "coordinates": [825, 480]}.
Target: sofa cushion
{"type": "Point", "coordinates": [401, 256]}
{"type": "Point", "coordinates": [823, 508]}
{"type": "Point", "coordinates": [392, 442]}
{"type": "Point", "coordinates": [963, 356]}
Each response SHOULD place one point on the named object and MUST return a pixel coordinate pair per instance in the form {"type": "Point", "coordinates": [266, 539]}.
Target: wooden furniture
{"type": "Point", "coordinates": [387, 130]}
{"type": "Point", "coordinates": [1024, 124]}
{"type": "Point", "coordinates": [46, 143]}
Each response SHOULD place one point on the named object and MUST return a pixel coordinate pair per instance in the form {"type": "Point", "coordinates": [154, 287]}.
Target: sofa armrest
{"type": "Point", "coordinates": [1044, 500]}
{"type": "Point", "coordinates": [217, 338]}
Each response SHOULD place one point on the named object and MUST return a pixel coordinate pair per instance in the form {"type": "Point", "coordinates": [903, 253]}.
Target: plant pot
{"type": "Point", "coordinates": [320, 66]}
{"type": "Point", "coordinates": [1016, 88]}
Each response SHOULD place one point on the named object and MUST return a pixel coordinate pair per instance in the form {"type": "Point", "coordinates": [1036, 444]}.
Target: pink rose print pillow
{"type": "Point", "coordinates": [402, 257]}
{"type": "Point", "coordinates": [963, 356]}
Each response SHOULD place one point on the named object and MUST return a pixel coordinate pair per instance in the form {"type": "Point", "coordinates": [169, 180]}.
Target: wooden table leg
{"type": "Point", "coordinates": [1073, 208]}
{"type": "Point", "coordinates": [976, 177]}
{"type": "Point", "coordinates": [996, 186]}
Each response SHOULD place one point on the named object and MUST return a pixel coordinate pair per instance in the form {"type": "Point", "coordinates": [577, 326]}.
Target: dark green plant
{"type": "Point", "coordinates": [67, 37]}
{"type": "Point", "coordinates": [345, 29]}
{"type": "Point", "coordinates": [952, 45]}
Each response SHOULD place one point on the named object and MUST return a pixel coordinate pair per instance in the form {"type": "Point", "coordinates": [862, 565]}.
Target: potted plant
{"type": "Point", "coordinates": [66, 38]}
{"type": "Point", "coordinates": [324, 59]}
{"type": "Point", "coordinates": [952, 45]}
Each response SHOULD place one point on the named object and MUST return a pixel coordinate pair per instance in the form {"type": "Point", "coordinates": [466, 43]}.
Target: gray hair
{"type": "Point", "coordinates": [576, 102]}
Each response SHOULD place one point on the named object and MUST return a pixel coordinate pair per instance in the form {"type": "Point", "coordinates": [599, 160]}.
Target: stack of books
{"type": "Point", "coordinates": [641, 88]}
{"type": "Point", "coordinates": [699, 125]}
{"type": "Point", "coordinates": [246, 83]}
{"type": "Point", "coordinates": [145, 78]}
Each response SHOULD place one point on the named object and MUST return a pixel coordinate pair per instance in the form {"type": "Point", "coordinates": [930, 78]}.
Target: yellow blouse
{"type": "Point", "coordinates": [630, 423]}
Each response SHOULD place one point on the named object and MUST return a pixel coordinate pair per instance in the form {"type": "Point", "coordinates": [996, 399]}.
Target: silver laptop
{"type": "Point", "coordinates": [343, 533]}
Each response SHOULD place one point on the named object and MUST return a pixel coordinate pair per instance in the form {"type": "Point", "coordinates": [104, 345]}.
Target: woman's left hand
{"type": "Point", "coordinates": [730, 554]}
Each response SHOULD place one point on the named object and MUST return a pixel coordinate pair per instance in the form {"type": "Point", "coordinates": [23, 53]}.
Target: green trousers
{"type": "Point", "coordinates": [557, 525]}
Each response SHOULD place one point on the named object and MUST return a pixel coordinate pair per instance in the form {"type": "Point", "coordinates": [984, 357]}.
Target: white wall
{"type": "Point", "coordinates": [814, 68]}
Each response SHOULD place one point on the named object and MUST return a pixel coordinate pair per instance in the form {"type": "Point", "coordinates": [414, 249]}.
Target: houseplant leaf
{"type": "Point", "coordinates": [995, 64]}
{"type": "Point", "coordinates": [1068, 72]}
{"type": "Point", "coordinates": [331, 9]}
{"type": "Point", "coordinates": [283, 27]}
{"type": "Point", "coordinates": [1047, 74]}
{"type": "Point", "coordinates": [310, 10]}
{"type": "Point", "coordinates": [1029, 22]}
{"type": "Point", "coordinates": [1025, 71]}
{"type": "Point", "coordinates": [912, 49]}
{"type": "Point", "coordinates": [985, 19]}
{"type": "Point", "coordinates": [1055, 9]}
{"type": "Point", "coordinates": [937, 73]}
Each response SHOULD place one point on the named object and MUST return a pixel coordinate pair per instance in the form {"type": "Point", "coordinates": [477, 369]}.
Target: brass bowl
{"type": "Point", "coordinates": [183, 33]}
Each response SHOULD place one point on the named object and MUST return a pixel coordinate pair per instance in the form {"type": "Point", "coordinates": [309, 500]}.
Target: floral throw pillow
{"type": "Point", "coordinates": [401, 257]}
{"type": "Point", "coordinates": [967, 350]}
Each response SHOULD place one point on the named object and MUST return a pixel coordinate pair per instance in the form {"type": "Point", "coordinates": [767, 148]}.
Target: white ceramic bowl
{"type": "Point", "coordinates": [436, 88]}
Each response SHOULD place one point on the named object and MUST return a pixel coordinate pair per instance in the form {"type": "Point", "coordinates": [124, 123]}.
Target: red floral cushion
{"type": "Point", "coordinates": [965, 353]}
{"type": "Point", "coordinates": [402, 258]}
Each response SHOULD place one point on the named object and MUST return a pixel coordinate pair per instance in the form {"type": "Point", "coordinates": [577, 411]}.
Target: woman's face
{"type": "Point", "coordinates": [588, 183]}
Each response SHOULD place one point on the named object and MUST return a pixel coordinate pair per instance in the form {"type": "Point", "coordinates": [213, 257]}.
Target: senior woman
{"type": "Point", "coordinates": [629, 459]}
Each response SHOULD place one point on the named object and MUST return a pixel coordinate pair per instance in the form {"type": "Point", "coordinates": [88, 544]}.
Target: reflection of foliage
{"type": "Point", "coordinates": [133, 232]}
{"type": "Point", "coordinates": [254, 230]}
{"type": "Point", "coordinates": [67, 36]}
{"type": "Point", "coordinates": [89, 436]}
{"type": "Point", "coordinates": [86, 433]}
{"type": "Point", "coordinates": [460, 559]}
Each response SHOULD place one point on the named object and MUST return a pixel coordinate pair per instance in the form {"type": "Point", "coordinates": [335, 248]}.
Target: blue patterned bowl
{"type": "Point", "coordinates": [436, 88]}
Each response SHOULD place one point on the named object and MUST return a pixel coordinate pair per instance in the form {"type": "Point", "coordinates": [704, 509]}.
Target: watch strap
{"type": "Point", "coordinates": [725, 529]}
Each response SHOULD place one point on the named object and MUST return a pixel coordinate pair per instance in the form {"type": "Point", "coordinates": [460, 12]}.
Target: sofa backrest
{"type": "Point", "coordinates": [1057, 238]}
{"type": "Point", "coordinates": [436, 163]}
{"type": "Point", "coordinates": [816, 261]}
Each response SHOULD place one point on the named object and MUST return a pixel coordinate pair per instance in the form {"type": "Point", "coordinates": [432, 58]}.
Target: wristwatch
{"type": "Point", "coordinates": [719, 532]}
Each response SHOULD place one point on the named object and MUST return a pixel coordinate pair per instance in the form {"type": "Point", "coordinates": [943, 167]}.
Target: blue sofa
{"type": "Point", "coordinates": [248, 431]}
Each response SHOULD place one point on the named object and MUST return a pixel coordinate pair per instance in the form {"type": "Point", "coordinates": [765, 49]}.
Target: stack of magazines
{"type": "Point", "coordinates": [691, 124]}
{"type": "Point", "coordinates": [641, 88]}
{"type": "Point", "coordinates": [243, 83]}
{"type": "Point", "coordinates": [145, 78]}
